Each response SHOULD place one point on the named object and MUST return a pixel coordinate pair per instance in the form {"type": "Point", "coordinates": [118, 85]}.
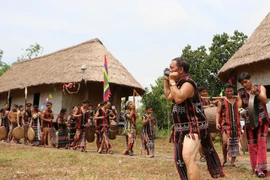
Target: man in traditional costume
{"type": "Point", "coordinates": [228, 122]}
{"type": "Point", "coordinates": [12, 117]}
{"type": "Point", "coordinates": [190, 127]}
{"type": "Point", "coordinates": [48, 131]}
{"type": "Point", "coordinates": [20, 113]}
{"type": "Point", "coordinates": [256, 136]}
{"type": "Point", "coordinates": [148, 135]}
{"type": "Point", "coordinates": [130, 130]}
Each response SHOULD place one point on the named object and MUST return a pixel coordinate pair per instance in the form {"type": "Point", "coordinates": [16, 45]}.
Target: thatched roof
{"type": "Point", "coordinates": [65, 66]}
{"type": "Point", "coordinates": [256, 49]}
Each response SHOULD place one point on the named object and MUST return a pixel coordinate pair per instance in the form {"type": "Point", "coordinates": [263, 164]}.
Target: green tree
{"type": "Point", "coordinates": [197, 60]}
{"type": "Point", "coordinates": [222, 49]}
{"type": "Point", "coordinates": [157, 100]}
{"type": "Point", "coordinates": [31, 52]}
{"type": "Point", "coordinates": [204, 66]}
{"type": "Point", "coordinates": [3, 66]}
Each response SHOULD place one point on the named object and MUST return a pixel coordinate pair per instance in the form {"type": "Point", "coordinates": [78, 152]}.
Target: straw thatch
{"type": "Point", "coordinates": [256, 49]}
{"type": "Point", "coordinates": [65, 66]}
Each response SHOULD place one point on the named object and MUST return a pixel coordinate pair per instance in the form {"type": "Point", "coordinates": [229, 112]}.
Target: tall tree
{"type": "Point", "coordinates": [31, 52]}
{"type": "Point", "coordinates": [205, 66]}
{"type": "Point", "coordinates": [3, 66]}
{"type": "Point", "coordinates": [222, 49]}
{"type": "Point", "coordinates": [197, 60]}
{"type": "Point", "coordinates": [157, 100]}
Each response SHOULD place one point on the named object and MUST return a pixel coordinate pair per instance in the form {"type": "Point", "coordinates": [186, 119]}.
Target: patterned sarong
{"type": "Point", "coordinates": [62, 137]}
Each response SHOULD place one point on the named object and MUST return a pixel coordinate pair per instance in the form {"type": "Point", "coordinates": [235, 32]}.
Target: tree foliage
{"type": "Point", "coordinates": [158, 102]}
{"type": "Point", "coordinates": [3, 66]}
{"type": "Point", "coordinates": [31, 52]}
{"type": "Point", "coordinates": [204, 67]}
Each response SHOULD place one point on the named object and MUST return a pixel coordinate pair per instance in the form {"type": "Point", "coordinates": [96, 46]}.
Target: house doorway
{"type": "Point", "coordinates": [36, 99]}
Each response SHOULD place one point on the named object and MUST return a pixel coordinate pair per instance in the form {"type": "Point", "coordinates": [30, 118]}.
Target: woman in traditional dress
{"type": "Point", "coordinates": [72, 123]}
{"type": "Point", "coordinates": [62, 129]}
{"type": "Point", "coordinates": [83, 118]}
{"type": "Point", "coordinates": [35, 124]}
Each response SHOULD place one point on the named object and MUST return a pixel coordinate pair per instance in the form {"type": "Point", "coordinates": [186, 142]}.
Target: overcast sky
{"type": "Point", "coordinates": [144, 35]}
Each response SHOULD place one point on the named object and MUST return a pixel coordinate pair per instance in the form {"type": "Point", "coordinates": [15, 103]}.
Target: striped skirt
{"type": "Point", "coordinates": [36, 139]}
{"type": "Point", "coordinates": [72, 132]}
{"type": "Point", "coordinates": [62, 137]}
{"type": "Point", "coordinates": [81, 134]}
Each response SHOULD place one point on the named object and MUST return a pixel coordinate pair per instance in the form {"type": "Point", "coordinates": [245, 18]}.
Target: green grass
{"type": "Point", "coordinates": [26, 162]}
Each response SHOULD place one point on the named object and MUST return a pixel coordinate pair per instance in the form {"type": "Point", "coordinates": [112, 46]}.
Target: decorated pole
{"type": "Point", "coordinates": [106, 87]}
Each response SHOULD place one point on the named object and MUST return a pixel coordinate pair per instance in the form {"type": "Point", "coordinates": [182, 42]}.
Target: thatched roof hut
{"type": "Point", "coordinates": [252, 57]}
{"type": "Point", "coordinates": [65, 66]}
{"type": "Point", "coordinates": [48, 73]}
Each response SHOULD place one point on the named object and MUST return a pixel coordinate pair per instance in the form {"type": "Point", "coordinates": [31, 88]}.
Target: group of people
{"type": "Point", "coordinates": [72, 127]}
{"type": "Point", "coordinates": [191, 129]}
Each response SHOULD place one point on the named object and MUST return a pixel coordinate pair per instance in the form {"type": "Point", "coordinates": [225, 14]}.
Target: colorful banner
{"type": "Point", "coordinates": [106, 87]}
{"type": "Point", "coordinates": [42, 107]}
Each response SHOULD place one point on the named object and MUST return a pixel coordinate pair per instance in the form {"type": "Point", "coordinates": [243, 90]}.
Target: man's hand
{"type": "Point", "coordinates": [173, 76]}
{"type": "Point", "coordinates": [218, 126]}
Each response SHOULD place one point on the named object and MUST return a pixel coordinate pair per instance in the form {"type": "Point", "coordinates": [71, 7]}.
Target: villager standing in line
{"type": "Point", "coordinates": [148, 135]}
{"type": "Point", "coordinates": [62, 129]}
{"type": "Point", "coordinates": [102, 128]}
{"type": "Point", "coordinates": [4, 121]}
{"type": "Point", "coordinates": [256, 136]}
{"type": "Point", "coordinates": [228, 122]}
{"type": "Point", "coordinates": [98, 121]}
{"type": "Point", "coordinates": [47, 125]}
{"type": "Point", "coordinates": [130, 130]}
{"type": "Point", "coordinates": [84, 117]}
{"type": "Point", "coordinates": [190, 127]}
{"type": "Point", "coordinates": [12, 117]}
{"type": "Point", "coordinates": [72, 118]}
{"type": "Point", "coordinates": [27, 115]}
{"type": "Point", "coordinates": [35, 123]}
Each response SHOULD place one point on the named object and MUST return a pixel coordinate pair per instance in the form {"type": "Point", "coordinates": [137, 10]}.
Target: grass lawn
{"type": "Point", "coordinates": [18, 161]}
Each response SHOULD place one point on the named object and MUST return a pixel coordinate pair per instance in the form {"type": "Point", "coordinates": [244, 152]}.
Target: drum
{"type": "Point", "coordinates": [113, 130]}
{"type": "Point", "coordinates": [18, 133]}
{"type": "Point", "coordinates": [3, 132]}
{"type": "Point", "coordinates": [210, 114]}
{"type": "Point", "coordinates": [31, 134]}
{"type": "Point", "coordinates": [90, 133]}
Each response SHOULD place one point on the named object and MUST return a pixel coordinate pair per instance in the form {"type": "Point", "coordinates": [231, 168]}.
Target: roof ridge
{"type": "Point", "coordinates": [61, 50]}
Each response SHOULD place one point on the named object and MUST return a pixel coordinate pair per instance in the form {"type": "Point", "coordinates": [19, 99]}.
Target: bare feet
{"type": "Point", "coordinates": [224, 162]}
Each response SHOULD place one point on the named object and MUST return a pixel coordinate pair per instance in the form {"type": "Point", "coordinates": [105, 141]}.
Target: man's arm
{"type": "Point", "coordinates": [23, 116]}
{"type": "Point", "coordinates": [18, 118]}
{"type": "Point", "coordinates": [239, 100]}
{"type": "Point", "coordinates": [145, 120]}
{"type": "Point", "coordinates": [262, 95]}
{"type": "Point", "coordinates": [1, 116]}
{"type": "Point", "coordinates": [180, 95]}
{"type": "Point", "coordinates": [218, 116]}
{"type": "Point", "coordinates": [44, 119]}
{"type": "Point", "coordinates": [167, 91]}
